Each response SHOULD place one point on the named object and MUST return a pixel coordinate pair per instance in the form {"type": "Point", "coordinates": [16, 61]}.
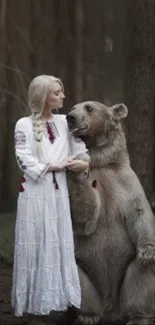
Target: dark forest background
{"type": "Point", "coordinates": [102, 50]}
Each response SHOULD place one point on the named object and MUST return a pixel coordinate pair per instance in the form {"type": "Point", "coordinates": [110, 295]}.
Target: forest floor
{"type": "Point", "coordinates": [6, 254]}
{"type": "Point", "coordinates": [6, 314]}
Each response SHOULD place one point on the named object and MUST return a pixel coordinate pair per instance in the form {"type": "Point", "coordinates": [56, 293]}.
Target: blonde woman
{"type": "Point", "coordinates": [45, 275]}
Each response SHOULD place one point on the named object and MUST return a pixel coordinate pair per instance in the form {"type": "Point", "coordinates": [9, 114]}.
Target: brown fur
{"type": "Point", "coordinates": [113, 222]}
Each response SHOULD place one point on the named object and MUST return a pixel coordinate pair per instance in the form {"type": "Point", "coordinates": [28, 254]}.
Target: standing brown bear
{"type": "Point", "coordinates": [113, 223]}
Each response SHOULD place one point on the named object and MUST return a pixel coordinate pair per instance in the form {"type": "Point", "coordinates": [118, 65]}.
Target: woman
{"type": "Point", "coordinates": [45, 276]}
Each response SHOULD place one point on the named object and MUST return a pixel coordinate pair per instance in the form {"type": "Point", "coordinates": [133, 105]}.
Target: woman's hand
{"type": "Point", "coordinates": [77, 165]}
{"type": "Point", "coordinates": [60, 167]}
{"type": "Point", "coordinates": [57, 168]}
{"type": "Point", "coordinates": [73, 164]}
{"type": "Point", "coordinates": [63, 164]}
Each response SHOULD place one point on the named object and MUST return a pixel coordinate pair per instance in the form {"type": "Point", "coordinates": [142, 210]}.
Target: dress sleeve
{"type": "Point", "coordinates": [76, 145]}
{"type": "Point", "coordinates": [78, 148]}
{"type": "Point", "coordinates": [27, 162]}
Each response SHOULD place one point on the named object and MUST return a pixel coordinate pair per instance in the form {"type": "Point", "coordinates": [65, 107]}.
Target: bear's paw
{"type": "Point", "coordinates": [88, 320]}
{"type": "Point", "coordinates": [146, 254]}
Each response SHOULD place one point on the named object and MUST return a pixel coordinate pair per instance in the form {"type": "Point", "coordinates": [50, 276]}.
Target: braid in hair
{"type": "Point", "coordinates": [37, 94]}
{"type": "Point", "coordinates": [38, 126]}
{"type": "Point", "coordinates": [38, 130]}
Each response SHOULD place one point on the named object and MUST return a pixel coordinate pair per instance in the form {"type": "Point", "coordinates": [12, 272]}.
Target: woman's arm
{"type": "Point", "coordinates": [78, 165]}
{"type": "Point", "coordinates": [81, 160]}
{"type": "Point", "coordinates": [27, 162]}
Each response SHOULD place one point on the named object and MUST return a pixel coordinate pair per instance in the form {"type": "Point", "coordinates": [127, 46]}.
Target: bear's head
{"type": "Point", "coordinates": [92, 119]}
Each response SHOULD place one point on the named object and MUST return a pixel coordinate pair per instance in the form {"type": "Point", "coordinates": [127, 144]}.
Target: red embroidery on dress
{"type": "Point", "coordinates": [50, 132]}
{"type": "Point", "coordinates": [20, 139]}
{"type": "Point", "coordinates": [55, 181]}
{"type": "Point", "coordinates": [22, 180]}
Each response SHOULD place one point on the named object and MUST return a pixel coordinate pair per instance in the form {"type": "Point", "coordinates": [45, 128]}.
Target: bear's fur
{"type": "Point", "coordinates": [113, 223]}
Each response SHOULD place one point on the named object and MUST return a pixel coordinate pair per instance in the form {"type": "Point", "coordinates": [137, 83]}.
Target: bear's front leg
{"type": "Point", "coordinates": [141, 230]}
{"type": "Point", "coordinates": [85, 203]}
{"type": "Point", "coordinates": [137, 295]}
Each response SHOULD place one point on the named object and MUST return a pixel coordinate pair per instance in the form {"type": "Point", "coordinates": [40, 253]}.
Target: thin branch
{"type": "Point", "coordinates": [3, 12]}
{"type": "Point", "coordinates": [21, 33]}
{"type": "Point", "coordinates": [79, 20]}
{"type": "Point", "coordinates": [17, 70]}
{"type": "Point", "coordinates": [14, 96]}
{"type": "Point", "coordinates": [24, 89]}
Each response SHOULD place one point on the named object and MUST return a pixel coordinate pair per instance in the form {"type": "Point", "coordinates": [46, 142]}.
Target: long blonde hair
{"type": "Point", "coordinates": [38, 91]}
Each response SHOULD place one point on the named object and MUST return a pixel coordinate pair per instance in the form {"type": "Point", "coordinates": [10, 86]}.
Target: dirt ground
{"type": "Point", "coordinates": [6, 313]}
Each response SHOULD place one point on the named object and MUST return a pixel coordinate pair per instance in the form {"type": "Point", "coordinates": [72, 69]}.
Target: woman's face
{"type": "Point", "coordinates": [55, 97]}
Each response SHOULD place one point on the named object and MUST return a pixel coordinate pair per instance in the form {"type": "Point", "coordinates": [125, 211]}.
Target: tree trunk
{"type": "Point", "coordinates": [79, 49]}
{"type": "Point", "coordinates": [3, 90]}
{"type": "Point", "coordinates": [17, 80]}
{"type": "Point", "coordinates": [140, 90]}
{"type": "Point", "coordinates": [94, 50]}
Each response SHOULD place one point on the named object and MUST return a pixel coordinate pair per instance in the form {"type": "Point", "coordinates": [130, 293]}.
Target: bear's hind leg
{"type": "Point", "coordinates": [137, 295]}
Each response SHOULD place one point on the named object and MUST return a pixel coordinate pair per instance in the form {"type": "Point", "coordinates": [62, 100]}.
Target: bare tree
{"type": "Point", "coordinates": [94, 49]}
{"type": "Point", "coordinates": [140, 90]}
{"type": "Point", "coordinates": [3, 89]}
{"type": "Point", "coordinates": [15, 78]}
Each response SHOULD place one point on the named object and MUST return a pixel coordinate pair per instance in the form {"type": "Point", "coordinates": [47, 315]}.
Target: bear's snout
{"type": "Point", "coordinates": [71, 120]}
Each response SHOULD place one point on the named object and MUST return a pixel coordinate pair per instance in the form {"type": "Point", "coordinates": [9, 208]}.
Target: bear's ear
{"type": "Point", "coordinates": [119, 111]}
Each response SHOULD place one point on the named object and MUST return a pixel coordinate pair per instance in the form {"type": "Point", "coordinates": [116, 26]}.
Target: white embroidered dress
{"type": "Point", "coordinates": [45, 275]}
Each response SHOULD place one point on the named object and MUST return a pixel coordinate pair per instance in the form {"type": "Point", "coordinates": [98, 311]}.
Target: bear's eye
{"type": "Point", "coordinates": [88, 108]}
